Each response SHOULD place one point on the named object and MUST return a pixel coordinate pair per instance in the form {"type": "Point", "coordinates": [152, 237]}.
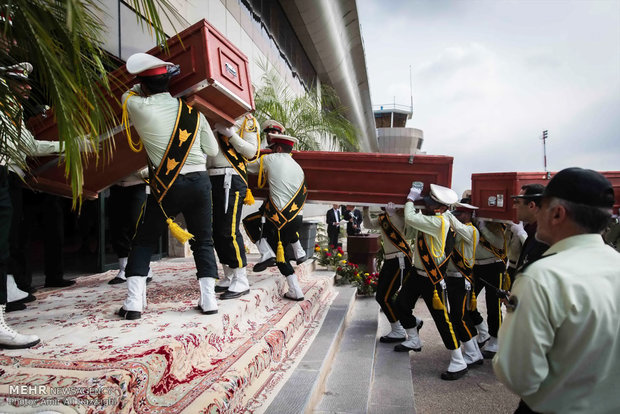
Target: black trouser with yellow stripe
{"type": "Point", "coordinates": [491, 273]}
{"type": "Point", "coordinates": [227, 237]}
{"type": "Point", "coordinates": [287, 235]}
{"type": "Point", "coordinates": [415, 286]}
{"type": "Point", "coordinates": [459, 313]}
{"type": "Point", "coordinates": [387, 285]}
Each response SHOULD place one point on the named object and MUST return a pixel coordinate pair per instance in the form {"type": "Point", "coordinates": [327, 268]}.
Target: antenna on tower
{"type": "Point", "coordinates": [411, 87]}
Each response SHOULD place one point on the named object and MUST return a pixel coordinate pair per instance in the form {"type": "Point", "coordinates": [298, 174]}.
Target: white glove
{"type": "Point", "coordinates": [518, 230]}
{"type": "Point", "coordinates": [481, 223]}
{"type": "Point", "coordinates": [390, 208]}
{"type": "Point", "coordinates": [144, 173]}
{"type": "Point", "coordinates": [414, 194]}
{"type": "Point", "coordinates": [226, 131]}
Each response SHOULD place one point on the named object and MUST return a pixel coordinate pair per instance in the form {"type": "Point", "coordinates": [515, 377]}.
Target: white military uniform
{"type": "Point", "coordinates": [559, 349]}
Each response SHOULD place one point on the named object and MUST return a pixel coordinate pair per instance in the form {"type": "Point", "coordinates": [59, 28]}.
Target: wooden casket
{"type": "Point", "coordinates": [491, 191]}
{"type": "Point", "coordinates": [366, 178]}
{"type": "Point", "coordinates": [214, 78]}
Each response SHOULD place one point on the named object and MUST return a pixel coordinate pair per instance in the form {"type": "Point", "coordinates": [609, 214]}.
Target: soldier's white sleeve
{"type": "Point", "coordinates": [247, 145]}
{"type": "Point", "coordinates": [466, 232]}
{"type": "Point", "coordinates": [495, 238]}
{"type": "Point", "coordinates": [369, 222]}
{"type": "Point", "coordinates": [36, 147]}
{"type": "Point", "coordinates": [525, 338]}
{"type": "Point", "coordinates": [208, 143]}
{"type": "Point", "coordinates": [426, 224]}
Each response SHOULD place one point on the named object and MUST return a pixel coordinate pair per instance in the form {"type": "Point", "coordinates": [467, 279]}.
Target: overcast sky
{"type": "Point", "coordinates": [490, 76]}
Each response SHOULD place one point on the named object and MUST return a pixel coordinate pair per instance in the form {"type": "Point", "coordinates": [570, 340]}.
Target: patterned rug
{"type": "Point", "coordinates": [174, 359]}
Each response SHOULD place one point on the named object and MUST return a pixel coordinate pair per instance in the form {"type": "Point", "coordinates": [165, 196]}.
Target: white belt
{"type": "Point", "coordinates": [192, 168]}
{"type": "Point", "coordinates": [453, 274]}
{"type": "Point", "coordinates": [395, 255]}
{"type": "Point", "coordinates": [223, 171]}
{"type": "Point", "coordinates": [487, 261]}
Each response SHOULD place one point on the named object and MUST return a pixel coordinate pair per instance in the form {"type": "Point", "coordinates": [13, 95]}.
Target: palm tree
{"type": "Point", "coordinates": [311, 118]}
{"type": "Point", "coordinates": [63, 41]}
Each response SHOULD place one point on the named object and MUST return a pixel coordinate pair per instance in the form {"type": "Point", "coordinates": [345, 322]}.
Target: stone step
{"type": "Point", "coordinates": [350, 379]}
{"type": "Point", "coordinates": [305, 385]}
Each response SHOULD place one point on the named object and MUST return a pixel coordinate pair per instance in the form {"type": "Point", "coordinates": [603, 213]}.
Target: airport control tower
{"type": "Point", "coordinates": [392, 134]}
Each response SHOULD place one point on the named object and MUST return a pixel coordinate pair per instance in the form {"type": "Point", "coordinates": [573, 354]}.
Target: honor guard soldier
{"type": "Point", "coordinates": [239, 145]}
{"type": "Point", "coordinates": [460, 280]}
{"type": "Point", "coordinates": [490, 267]}
{"type": "Point", "coordinates": [433, 245]}
{"type": "Point", "coordinates": [177, 140]}
{"type": "Point", "coordinates": [397, 263]}
{"type": "Point", "coordinates": [16, 78]}
{"type": "Point", "coordinates": [268, 256]}
{"type": "Point", "coordinates": [287, 196]}
{"type": "Point", "coordinates": [559, 345]}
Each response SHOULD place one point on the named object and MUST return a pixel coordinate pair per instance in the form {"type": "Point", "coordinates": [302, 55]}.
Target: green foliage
{"type": "Point", "coordinates": [309, 117]}
{"type": "Point", "coordinates": [63, 41]}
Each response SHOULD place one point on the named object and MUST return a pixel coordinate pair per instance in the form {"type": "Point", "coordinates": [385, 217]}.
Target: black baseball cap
{"type": "Point", "coordinates": [531, 192]}
{"type": "Point", "coordinates": [581, 186]}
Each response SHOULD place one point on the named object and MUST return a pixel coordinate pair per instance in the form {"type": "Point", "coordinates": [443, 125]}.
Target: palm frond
{"type": "Point", "coordinates": [63, 41]}
{"type": "Point", "coordinates": [314, 118]}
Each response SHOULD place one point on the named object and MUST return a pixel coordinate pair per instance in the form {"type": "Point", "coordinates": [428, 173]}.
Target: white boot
{"type": "Point", "coordinates": [471, 353]}
{"type": "Point", "coordinates": [413, 342]}
{"type": "Point", "coordinates": [149, 276]}
{"type": "Point", "coordinates": [457, 367]}
{"type": "Point", "coordinates": [489, 350]}
{"type": "Point", "coordinates": [294, 290]}
{"type": "Point", "coordinates": [13, 293]}
{"type": "Point", "coordinates": [135, 302]}
{"type": "Point", "coordinates": [239, 284]}
{"type": "Point", "coordinates": [265, 250]}
{"type": "Point", "coordinates": [223, 283]}
{"type": "Point", "coordinates": [397, 334]}
{"type": "Point", "coordinates": [10, 339]}
{"type": "Point", "coordinates": [483, 333]}
{"type": "Point", "coordinates": [120, 276]}
{"type": "Point", "coordinates": [207, 302]}
{"type": "Point", "coordinates": [299, 252]}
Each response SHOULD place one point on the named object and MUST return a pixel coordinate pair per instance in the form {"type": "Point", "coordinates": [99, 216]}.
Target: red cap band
{"type": "Point", "coordinates": [282, 141]}
{"type": "Point", "coordinates": [154, 72]}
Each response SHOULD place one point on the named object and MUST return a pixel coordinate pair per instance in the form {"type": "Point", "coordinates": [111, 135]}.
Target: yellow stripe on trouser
{"type": "Point", "coordinates": [452, 334]}
{"type": "Point", "coordinates": [463, 310]}
{"type": "Point", "coordinates": [233, 230]}
{"type": "Point", "coordinates": [387, 292]}
{"type": "Point", "coordinates": [499, 303]}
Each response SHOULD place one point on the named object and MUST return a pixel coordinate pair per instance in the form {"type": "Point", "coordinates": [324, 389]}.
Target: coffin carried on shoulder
{"type": "Point", "coordinates": [491, 191]}
{"type": "Point", "coordinates": [214, 78]}
{"type": "Point", "coordinates": [366, 178]}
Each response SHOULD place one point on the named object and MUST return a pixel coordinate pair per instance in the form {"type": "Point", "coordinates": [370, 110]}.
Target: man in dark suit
{"type": "Point", "coordinates": [333, 218]}
{"type": "Point", "coordinates": [354, 219]}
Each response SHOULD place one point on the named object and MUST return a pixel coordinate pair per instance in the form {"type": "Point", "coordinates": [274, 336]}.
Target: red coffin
{"type": "Point", "coordinates": [214, 79]}
{"type": "Point", "coordinates": [366, 178]}
{"type": "Point", "coordinates": [491, 191]}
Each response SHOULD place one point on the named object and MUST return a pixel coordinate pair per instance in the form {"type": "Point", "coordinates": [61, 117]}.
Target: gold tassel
{"type": "Point", "coordinates": [507, 282]}
{"type": "Point", "coordinates": [249, 198]}
{"type": "Point", "coordinates": [280, 253]}
{"type": "Point", "coordinates": [181, 235]}
{"type": "Point", "coordinates": [473, 304]}
{"type": "Point", "coordinates": [436, 301]}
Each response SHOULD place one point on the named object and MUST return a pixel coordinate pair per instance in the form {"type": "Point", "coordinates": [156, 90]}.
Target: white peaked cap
{"type": "Point", "coordinates": [140, 62]}
{"type": "Point", "coordinates": [443, 195]}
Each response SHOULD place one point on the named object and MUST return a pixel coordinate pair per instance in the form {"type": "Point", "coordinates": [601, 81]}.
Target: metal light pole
{"type": "Point", "coordinates": [544, 140]}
